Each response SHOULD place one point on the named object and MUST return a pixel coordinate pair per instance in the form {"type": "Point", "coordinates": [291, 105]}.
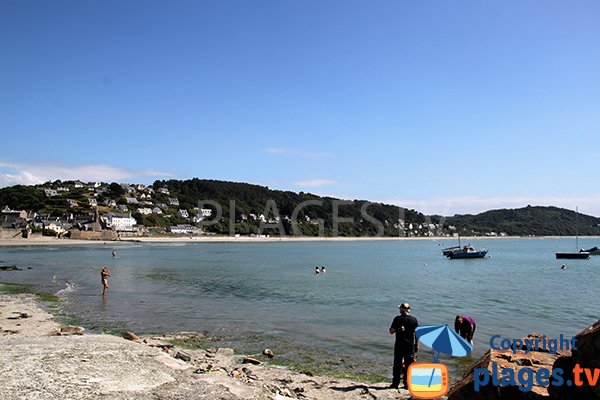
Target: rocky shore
{"type": "Point", "coordinates": [41, 359]}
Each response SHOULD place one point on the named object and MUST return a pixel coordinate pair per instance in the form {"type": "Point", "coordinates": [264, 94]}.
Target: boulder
{"type": "Point", "coordinates": [250, 360]}
{"type": "Point", "coordinates": [225, 352]}
{"type": "Point", "coordinates": [585, 355]}
{"type": "Point", "coordinates": [71, 330]}
{"type": "Point", "coordinates": [269, 353]}
{"type": "Point", "coordinates": [464, 389]}
{"type": "Point", "coordinates": [10, 268]}
{"type": "Point", "coordinates": [130, 336]}
{"type": "Point", "coordinates": [183, 356]}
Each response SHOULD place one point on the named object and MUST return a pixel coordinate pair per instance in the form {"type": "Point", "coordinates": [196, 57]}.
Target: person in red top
{"type": "Point", "coordinates": [465, 327]}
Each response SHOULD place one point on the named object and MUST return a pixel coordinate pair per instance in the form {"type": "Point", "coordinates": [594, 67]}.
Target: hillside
{"type": "Point", "coordinates": [241, 208]}
{"type": "Point", "coordinates": [215, 206]}
{"type": "Point", "coordinates": [536, 221]}
{"type": "Point", "coordinates": [246, 202]}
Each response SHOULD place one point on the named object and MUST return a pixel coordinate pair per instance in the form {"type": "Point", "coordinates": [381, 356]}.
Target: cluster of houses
{"type": "Point", "coordinates": [85, 200]}
{"type": "Point", "coordinates": [96, 206]}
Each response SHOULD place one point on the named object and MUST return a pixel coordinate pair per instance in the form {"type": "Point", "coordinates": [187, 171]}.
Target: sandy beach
{"type": "Point", "coordinates": [47, 240]}
{"type": "Point", "coordinates": [41, 362]}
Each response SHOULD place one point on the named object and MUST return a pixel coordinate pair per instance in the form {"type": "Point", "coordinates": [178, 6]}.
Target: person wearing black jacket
{"type": "Point", "coordinates": [406, 345]}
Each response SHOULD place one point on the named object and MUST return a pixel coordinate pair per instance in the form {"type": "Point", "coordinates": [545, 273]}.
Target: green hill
{"type": "Point", "coordinates": [232, 204]}
{"type": "Point", "coordinates": [241, 205]}
{"type": "Point", "coordinates": [536, 221]}
{"type": "Point", "coordinates": [369, 219]}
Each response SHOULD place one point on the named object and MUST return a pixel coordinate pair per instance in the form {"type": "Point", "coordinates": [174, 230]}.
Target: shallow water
{"type": "Point", "coordinates": [257, 295]}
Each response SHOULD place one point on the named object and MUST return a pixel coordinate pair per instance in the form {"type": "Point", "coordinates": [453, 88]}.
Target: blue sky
{"type": "Point", "coordinates": [446, 107]}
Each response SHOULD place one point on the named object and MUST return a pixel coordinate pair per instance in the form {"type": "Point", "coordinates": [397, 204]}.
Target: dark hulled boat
{"type": "Point", "coordinates": [574, 255]}
{"type": "Point", "coordinates": [467, 252]}
{"type": "Point", "coordinates": [594, 251]}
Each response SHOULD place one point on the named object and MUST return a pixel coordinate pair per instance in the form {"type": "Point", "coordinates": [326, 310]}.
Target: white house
{"type": "Point", "coordinates": [156, 211]}
{"type": "Point", "coordinates": [72, 203]}
{"type": "Point", "coordinates": [183, 213]}
{"type": "Point", "coordinates": [131, 200]}
{"type": "Point", "coordinates": [173, 201]}
{"type": "Point", "coordinates": [93, 202]}
{"type": "Point", "coordinates": [55, 227]}
{"type": "Point", "coordinates": [145, 211]}
{"type": "Point", "coordinates": [205, 212]}
{"type": "Point", "coordinates": [50, 192]}
{"type": "Point", "coordinates": [120, 222]}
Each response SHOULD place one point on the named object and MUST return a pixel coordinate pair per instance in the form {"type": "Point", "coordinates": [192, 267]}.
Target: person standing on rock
{"type": "Point", "coordinates": [104, 274]}
{"type": "Point", "coordinates": [465, 327]}
{"type": "Point", "coordinates": [406, 345]}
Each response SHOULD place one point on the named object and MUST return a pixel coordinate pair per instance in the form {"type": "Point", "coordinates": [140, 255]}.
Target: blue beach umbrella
{"type": "Point", "coordinates": [442, 339]}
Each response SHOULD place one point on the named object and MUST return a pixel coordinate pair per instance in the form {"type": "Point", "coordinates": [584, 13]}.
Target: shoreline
{"type": "Point", "coordinates": [40, 362]}
{"type": "Point", "coordinates": [38, 240]}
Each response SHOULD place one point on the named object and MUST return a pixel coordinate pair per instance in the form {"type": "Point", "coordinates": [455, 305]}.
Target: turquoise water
{"type": "Point", "coordinates": [256, 295]}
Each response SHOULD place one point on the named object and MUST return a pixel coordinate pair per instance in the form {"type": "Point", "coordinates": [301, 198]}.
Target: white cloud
{"type": "Point", "coordinates": [297, 153]}
{"type": "Point", "coordinates": [315, 183]}
{"type": "Point", "coordinates": [31, 174]}
{"type": "Point", "coordinates": [449, 206]}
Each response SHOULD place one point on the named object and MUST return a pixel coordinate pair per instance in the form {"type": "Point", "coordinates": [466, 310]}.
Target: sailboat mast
{"type": "Point", "coordinates": [577, 228]}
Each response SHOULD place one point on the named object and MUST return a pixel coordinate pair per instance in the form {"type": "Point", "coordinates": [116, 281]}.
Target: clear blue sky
{"type": "Point", "coordinates": [446, 107]}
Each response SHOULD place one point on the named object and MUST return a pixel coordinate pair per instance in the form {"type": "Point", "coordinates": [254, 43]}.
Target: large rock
{"type": "Point", "coordinates": [464, 389]}
{"type": "Point", "coordinates": [585, 355]}
{"type": "Point", "coordinates": [130, 336]}
{"type": "Point", "coordinates": [10, 268]}
{"type": "Point", "coordinates": [71, 330]}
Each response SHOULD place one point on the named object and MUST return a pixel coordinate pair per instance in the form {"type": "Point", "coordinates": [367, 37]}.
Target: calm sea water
{"type": "Point", "coordinates": [257, 295]}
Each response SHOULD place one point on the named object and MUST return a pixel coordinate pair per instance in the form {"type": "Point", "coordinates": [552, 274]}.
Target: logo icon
{"type": "Point", "coordinates": [427, 380]}
{"type": "Point", "coordinates": [430, 380]}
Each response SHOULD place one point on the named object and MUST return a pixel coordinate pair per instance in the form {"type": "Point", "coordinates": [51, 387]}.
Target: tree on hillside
{"type": "Point", "coordinates": [116, 190]}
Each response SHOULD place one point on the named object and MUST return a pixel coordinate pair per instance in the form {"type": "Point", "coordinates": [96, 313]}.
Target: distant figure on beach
{"type": "Point", "coordinates": [563, 266]}
{"type": "Point", "coordinates": [465, 327]}
{"type": "Point", "coordinates": [114, 253]}
{"type": "Point", "coordinates": [406, 345]}
{"type": "Point", "coordinates": [104, 274]}
{"type": "Point", "coordinates": [322, 270]}
{"type": "Point", "coordinates": [317, 269]}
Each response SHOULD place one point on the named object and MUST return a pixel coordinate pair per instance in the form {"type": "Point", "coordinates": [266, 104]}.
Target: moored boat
{"type": "Point", "coordinates": [574, 255]}
{"type": "Point", "coordinates": [594, 251]}
{"type": "Point", "coordinates": [467, 252]}
{"type": "Point", "coordinates": [450, 250]}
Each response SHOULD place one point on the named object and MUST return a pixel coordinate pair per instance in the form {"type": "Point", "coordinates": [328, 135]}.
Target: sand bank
{"type": "Point", "coordinates": [38, 364]}
{"type": "Point", "coordinates": [36, 240]}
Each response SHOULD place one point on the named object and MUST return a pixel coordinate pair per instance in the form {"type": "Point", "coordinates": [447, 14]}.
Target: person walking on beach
{"type": "Point", "coordinates": [104, 274]}
{"type": "Point", "coordinates": [317, 269]}
{"type": "Point", "coordinates": [406, 345]}
{"type": "Point", "coordinates": [465, 327]}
